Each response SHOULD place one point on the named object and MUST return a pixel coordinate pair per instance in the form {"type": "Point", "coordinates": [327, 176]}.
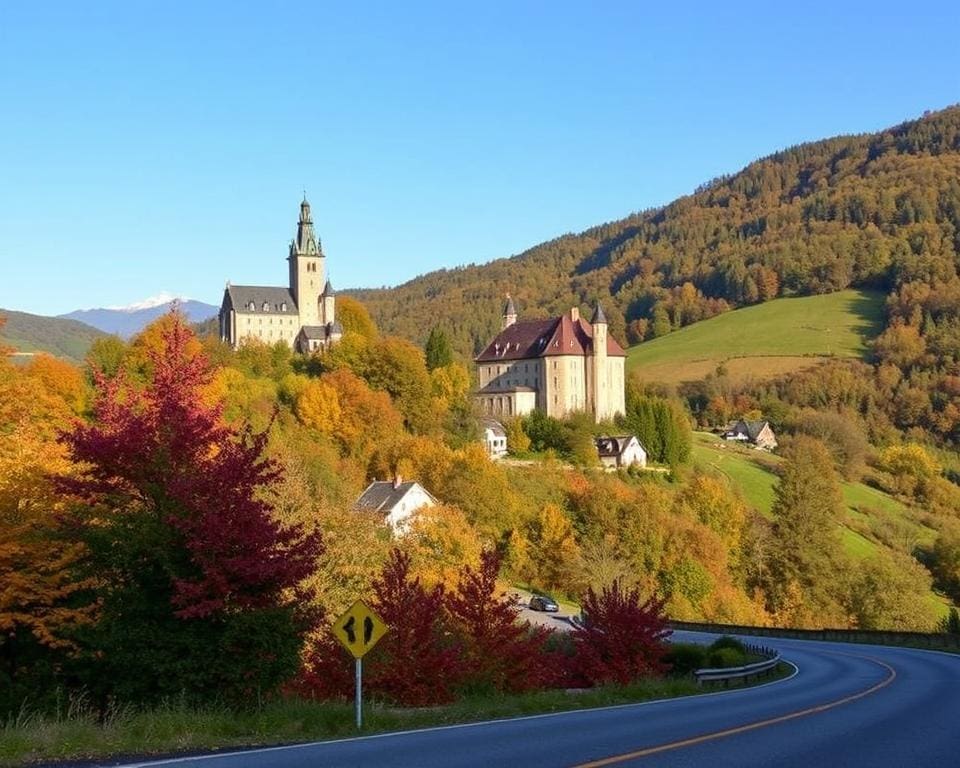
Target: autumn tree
{"type": "Point", "coordinates": [416, 663]}
{"type": "Point", "coordinates": [199, 585]}
{"type": "Point", "coordinates": [806, 555]}
{"type": "Point", "coordinates": [500, 653]}
{"type": "Point", "coordinates": [622, 637]}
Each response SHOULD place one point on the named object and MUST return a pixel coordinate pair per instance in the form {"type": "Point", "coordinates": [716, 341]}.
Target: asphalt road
{"type": "Point", "coordinates": [848, 705]}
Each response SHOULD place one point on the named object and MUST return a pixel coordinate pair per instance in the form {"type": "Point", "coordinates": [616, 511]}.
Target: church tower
{"type": "Point", "coordinates": [306, 269]}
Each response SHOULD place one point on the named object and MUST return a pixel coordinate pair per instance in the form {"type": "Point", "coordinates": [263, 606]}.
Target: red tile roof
{"type": "Point", "coordinates": [543, 338]}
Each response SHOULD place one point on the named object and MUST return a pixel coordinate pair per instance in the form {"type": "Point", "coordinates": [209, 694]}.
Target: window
{"type": "Point", "coordinates": [252, 307]}
{"type": "Point", "coordinates": [266, 306]}
{"type": "Point", "coordinates": [283, 306]}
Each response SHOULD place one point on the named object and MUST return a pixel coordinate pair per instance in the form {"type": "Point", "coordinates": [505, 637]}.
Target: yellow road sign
{"type": "Point", "coordinates": [359, 629]}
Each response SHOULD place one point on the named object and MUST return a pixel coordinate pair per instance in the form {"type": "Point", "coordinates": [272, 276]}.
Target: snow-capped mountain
{"type": "Point", "coordinates": [131, 319]}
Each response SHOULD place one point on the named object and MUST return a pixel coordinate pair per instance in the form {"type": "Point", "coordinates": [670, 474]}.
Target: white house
{"type": "Point", "coordinates": [494, 438]}
{"type": "Point", "coordinates": [395, 500]}
{"type": "Point", "coordinates": [621, 451]}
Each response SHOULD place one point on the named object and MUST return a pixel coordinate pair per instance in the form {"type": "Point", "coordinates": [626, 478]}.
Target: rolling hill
{"type": "Point", "coordinates": [59, 337]}
{"type": "Point", "coordinates": [766, 339]}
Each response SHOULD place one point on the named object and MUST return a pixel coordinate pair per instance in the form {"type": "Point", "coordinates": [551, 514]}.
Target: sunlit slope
{"type": "Point", "coordinates": [764, 340]}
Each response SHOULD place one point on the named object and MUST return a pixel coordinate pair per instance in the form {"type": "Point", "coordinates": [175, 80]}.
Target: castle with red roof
{"type": "Point", "coordinates": [559, 365]}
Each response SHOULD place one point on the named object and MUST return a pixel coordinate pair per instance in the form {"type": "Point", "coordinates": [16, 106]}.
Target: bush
{"type": "Point", "coordinates": [722, 658]}
{"type": "Point", "coordinates": [624, 639]}
{"type": "Point", "coordinates": [728, 642]}
{"type": "Point", "coordinates": [685, 658]}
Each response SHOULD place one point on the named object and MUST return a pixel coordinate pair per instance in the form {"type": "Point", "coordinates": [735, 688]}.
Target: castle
{"type": "Point", "coordinates": [303, 315]}
{"type": "Point", "coordinates": [559, 365]}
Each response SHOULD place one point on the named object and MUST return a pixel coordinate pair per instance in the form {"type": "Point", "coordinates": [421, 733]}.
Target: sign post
{"type": "Point", "coordinates": [358, 630]}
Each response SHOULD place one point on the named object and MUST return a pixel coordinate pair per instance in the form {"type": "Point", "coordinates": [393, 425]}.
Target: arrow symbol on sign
{"type": "Point", "coordinates": [367, 630]}
{"type": "Point", "coordinates": [348, 627]}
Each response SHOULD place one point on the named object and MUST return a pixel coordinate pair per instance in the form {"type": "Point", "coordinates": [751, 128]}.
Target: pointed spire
{"type": "Point", "coordinates": [305, 243]}
{"type": "Point", "coordinates": [598, 316]}
{"type": "Point", "coordinates": [509, 313]}
{"type": "Point", "coordinates": [328, 289]}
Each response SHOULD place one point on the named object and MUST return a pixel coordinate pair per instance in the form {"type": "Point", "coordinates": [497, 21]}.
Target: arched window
{"type": "Point", "coordinates": [252, 306]}
{"type": "Point", "coordinates": [283, 306]}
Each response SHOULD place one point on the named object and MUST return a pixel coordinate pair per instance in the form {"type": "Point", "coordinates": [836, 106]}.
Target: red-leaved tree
{"type": "Point", "coordinates": [622, 638]}
{"type": "Point", "coordinates": [418, 662]}
{"type": "Point", "coordinates": [199, 584]}
{"type": "Point", "coordinates": [499, 652]}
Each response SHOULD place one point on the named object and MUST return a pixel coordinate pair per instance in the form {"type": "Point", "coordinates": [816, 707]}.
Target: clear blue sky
{"type": "Point", "coordinates": [151, 146]}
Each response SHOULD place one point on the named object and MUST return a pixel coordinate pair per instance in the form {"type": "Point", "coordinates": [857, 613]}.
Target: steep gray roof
{"type": "Point", "coordinates": [318, 332]}
{"type": "Point", "coordinates": [613, 445]}
{"type": "Point", "coordinates": [328, 289]}
{"type": "Point", "coordinates": [240, 297]}
{"type": "Point", "coordinates": [382, 496]}
{"type": "Point", "coordinates": [598, 316]}
{"type": "Point", "coordinates": [751, 429]}
{"type": "Point", "coordinates": [494, 426]}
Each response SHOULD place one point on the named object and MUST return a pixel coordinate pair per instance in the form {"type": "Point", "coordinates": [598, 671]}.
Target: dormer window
{"type": "Point", "coordinates": [252, 307]}
{"type": "Point", "coordinates": [266, 306]}
{"type": "Point", "coordinates": [283, 306]}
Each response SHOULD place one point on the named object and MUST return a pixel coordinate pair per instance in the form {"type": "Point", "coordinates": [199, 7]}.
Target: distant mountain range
{"type": "Point", "coordinates": [130, 320]}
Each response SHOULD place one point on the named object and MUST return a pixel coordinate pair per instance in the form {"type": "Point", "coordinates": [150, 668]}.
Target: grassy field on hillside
{"type": "Point", "coordinates": [764, 340]}
{"type": "Point", "coordinates": [753, 472]}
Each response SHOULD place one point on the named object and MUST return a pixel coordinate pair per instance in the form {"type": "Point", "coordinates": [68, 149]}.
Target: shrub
{"type": "Point", "coordinates": [624, 639]}
{"type": "Point", "coordinates": [685, 658]}
{"type": "Point", "coordinates": [725, 657]}
{"type": "Point", "coordinates": [499, 653]}
{"type": "Point", "coordinates": [728, 642]}
{"type": "Point", "coordinates": [417, 663]}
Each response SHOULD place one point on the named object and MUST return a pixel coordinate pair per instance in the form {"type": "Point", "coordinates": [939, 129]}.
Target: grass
{"type": "Point", "coordinates": [752, 472]}
{"type": "Point", "coordinates": [179, 728]}
{"type": "Point", "coordinates": [766, 339]}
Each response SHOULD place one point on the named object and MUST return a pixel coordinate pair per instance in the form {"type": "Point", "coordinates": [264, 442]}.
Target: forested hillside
{"type": "Point", "coordinates": [875, 210]}
{"type": "Point", "coordinates": [58, 336]}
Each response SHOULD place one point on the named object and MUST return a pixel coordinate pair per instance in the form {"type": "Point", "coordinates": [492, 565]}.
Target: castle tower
{"type": "Point", "coordinates": [509, 314]}
{"type": "Point", "coordinates": [306, 268]}
{"type": "Point", "coordinates": [601, 385]}
{"type": "Point", "coordinates": [328, 305]}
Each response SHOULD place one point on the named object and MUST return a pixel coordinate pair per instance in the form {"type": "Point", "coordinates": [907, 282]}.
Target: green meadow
{"type": "Point", "coordinates": [766, 339]}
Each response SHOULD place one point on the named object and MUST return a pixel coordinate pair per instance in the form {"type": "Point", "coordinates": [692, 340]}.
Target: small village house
{"type": "Point", "coordinates": [621, 451]}
{"type": "Point", "coordinates": [494, 438]}
{"type": "Point", "coordinates": [396, 500]}
{"type": "Point", "coordinates": [759, 434]}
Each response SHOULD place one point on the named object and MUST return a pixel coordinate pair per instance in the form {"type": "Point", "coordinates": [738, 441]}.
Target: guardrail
{"type": "Point", "coordinates": [726, 674]}
{"type": "Point", "coordinates": [935, 641]}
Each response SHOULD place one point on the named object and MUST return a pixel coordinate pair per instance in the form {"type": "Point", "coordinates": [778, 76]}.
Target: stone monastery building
{"type": "Point", "coordinates": [303, 315]}
{"type": "Point", "coordinates": [559, 365]}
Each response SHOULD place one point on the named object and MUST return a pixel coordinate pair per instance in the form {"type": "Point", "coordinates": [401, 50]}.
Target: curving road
{"type": "Point", "coordinates": [848, 705]}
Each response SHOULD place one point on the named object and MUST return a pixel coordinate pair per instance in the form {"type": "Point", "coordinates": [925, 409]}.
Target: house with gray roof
{"type": "Point", "coordinates": [620, 451]}
{"type": "Point", "coordinates": [758, 433]}
{"type": "Point", "coordinates": [301, 315]}
{"type": "Point", "coordinates": [396, 500]}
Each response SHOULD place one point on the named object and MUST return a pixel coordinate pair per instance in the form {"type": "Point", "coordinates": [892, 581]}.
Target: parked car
{"type": "Point", "coordinates": [543, 603]}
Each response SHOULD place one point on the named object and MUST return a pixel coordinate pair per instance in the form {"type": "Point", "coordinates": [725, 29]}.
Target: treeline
{"type": "Point", "coordinates": [879, 210]}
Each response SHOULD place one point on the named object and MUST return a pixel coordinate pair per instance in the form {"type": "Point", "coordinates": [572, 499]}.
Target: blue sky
{"type": "Point", "coordinates": [164, 146]}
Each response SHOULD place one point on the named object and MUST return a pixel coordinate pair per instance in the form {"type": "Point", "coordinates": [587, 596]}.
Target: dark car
{"type": "Point", "coordinates": [543, 603]}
